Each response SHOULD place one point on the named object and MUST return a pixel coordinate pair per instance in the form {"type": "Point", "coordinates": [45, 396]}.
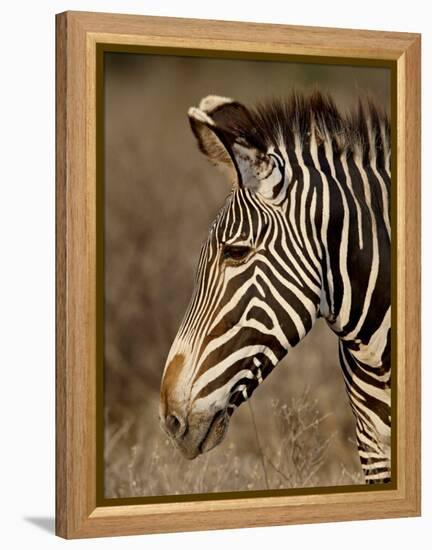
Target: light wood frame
{"type": "Point", "coordinates": [78, 34]}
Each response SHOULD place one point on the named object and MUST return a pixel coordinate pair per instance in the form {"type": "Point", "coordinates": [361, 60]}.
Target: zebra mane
{"type": "Point", "coordinates": [363, 130]}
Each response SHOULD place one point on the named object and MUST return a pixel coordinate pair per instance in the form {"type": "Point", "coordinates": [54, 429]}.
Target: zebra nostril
{"type": "Point", "coordinates": [175, 425]}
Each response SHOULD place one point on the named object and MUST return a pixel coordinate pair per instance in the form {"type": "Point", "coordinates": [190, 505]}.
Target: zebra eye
{"type": "Point", "coordinates": [235, 253]}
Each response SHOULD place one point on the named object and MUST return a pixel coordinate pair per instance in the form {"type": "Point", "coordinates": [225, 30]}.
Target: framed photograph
{"type": "Point", "coordinates": [238, 274]}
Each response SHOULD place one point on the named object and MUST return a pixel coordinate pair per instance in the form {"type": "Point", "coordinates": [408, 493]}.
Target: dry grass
{"type": "Point", "coordinates": [152, 466]}
{"type": "Point", "coordinates": [303, 448]}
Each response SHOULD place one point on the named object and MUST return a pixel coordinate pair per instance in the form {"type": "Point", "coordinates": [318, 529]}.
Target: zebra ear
{"type": "Point", "coordinates": [219, 124]}
{"type": "Point", "coordinates": [212, 140]}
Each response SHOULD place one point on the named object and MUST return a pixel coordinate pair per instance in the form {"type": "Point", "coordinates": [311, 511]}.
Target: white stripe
{"type": "Point", "coordinates": [344, 312]}
{"type": "Point", "coordinates": [324, 228]}
{"type": "Point", "coordinates": [220, 368]}
{"type": "Point", "coordinates": [375, 255]}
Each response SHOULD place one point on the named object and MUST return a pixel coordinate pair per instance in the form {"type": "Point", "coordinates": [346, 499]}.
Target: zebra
{"type": "Point", "coordinates": [304, 233]}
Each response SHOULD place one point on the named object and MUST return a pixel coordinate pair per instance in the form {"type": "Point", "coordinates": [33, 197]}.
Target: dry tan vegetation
{"type": "Point", "coordinates": [161, 196]}
{"type": "Point", "coordinates": [296, 457]}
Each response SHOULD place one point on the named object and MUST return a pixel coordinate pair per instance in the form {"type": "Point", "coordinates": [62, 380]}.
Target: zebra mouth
{"type": "Point", "coordinates": [215, 432]}
{"type": "Point", "coordinates": [240, 393]}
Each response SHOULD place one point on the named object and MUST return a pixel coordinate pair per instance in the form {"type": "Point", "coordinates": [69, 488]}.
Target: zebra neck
{"type": "Point", "coordinates": [351, 220]}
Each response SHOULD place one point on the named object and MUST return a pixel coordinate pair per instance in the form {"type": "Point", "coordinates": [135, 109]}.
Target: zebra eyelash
{"type": "Point", "coordinates": [235, 253]}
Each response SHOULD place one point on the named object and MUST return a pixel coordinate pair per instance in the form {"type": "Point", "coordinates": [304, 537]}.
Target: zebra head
{"type": "Point", "coordinates": [257, 287]}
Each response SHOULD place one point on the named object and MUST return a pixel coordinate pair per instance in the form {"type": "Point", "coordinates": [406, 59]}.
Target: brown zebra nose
{"type": "Point", "coordinates": [175, 425]}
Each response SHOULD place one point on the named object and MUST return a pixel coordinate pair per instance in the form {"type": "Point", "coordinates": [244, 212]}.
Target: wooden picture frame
{"type": "Point", "coordinates": [79, 39]}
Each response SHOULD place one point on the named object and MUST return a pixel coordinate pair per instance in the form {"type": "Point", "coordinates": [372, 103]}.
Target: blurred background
{"type": "Point", "coordinates": [161, 195]}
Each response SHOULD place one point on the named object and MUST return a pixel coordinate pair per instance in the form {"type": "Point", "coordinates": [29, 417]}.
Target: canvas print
{"type": "Point", "coordinates": [247, 275]}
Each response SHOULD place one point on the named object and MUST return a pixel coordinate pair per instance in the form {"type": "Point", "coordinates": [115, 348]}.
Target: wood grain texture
{"type": "Point", "coordinates": [412, 264]}
{"type": "Point", "coordinates": [244, 36]}
{"type": "Point", "coordinates": [76, 284]}
{"type": "Point", "coordinates": [61, 385]}
{"type": "Point", "coordinates": [78, 34]}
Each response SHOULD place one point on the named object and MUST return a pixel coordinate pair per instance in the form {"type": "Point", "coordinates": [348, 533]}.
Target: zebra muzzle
{"type": "Point", "coordinates": [216, 431]}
